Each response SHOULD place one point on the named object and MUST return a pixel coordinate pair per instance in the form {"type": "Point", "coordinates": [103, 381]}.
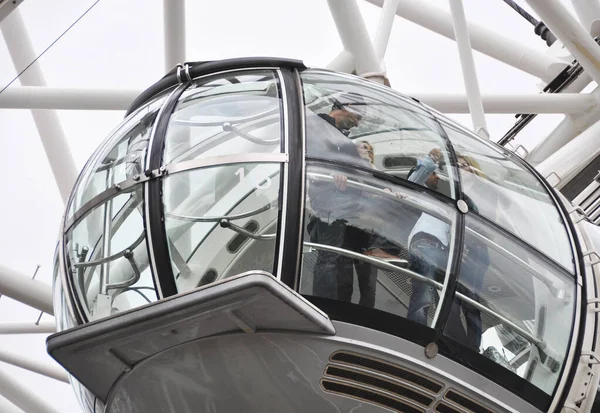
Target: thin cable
{"type": "Point", "coordinates": [52, 44]}
{"type": "Point", "coordinates": [522, 12]}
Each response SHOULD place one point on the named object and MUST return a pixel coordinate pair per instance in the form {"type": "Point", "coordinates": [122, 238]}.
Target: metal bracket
{"type": "Point", "coordinates": [183, 73]}
{"type": "Point", "coordinates": [547, 178]}
{"type": "Point", "coordinates": [593, 261]}
{"type": "Point", "coordinates": [525, 151]}
{"type": "Point", "coordinates": [594, 359]}
{"type": "Point", "coordinates": [594, 301]}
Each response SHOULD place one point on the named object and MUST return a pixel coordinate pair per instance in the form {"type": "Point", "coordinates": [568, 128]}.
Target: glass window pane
{"type": "Point", "coordinates": [232, 113]}
{"type": "Point", "coordinates": [374, 243]}
{"type": "Point", "coordinates": [357, 122]}
{"type": "Point", "coordinates": [509, 195]}
{"type": "Point", "coordinates": [519, 285]}
{"type": "Point", "coordinates": [122, 156]}
{"type": "Point", "coordinates": [210, 229]}
{"type": "Point", "coordinates": [108, 257]}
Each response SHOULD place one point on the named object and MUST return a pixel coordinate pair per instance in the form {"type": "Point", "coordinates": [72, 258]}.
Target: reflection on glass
{"type": "Point", "coordinates": [374, 243]}
{"type": "Point", "coordinates": [231, 113]}
{"type": "Point", "coordinates": [353, 121]}
{"type": "Point", "coordinates": [108, 257]}
{"type": "Point", "coordinates": [225, 225]}
{"type": "Point", "coordinates": [121, 157]}
{"type": "Point", "coordinates": [509, 195]}
{"type": "Point", "coordinates": [530, 299]}
{"type": "Point", "coordinates": [63, 316]}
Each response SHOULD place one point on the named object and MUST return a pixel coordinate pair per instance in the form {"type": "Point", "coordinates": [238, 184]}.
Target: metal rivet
{"type": "Point", "coordinates": [431, 350]}
{"type": "Point", "coordinates": [462, 206]}
{"type": "Point", "coordinates": [117, 187]}
{"type": "Point", "coordinates": [136, 177]}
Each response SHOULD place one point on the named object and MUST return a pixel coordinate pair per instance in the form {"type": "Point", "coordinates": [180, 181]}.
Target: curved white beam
{"type": "Point", "coordinates": [572, 34]}
{"type": "Point", "coordinates": [525, 103]}
{"type": "Point", "coordinates": [384, 28]}
{"type": "Point", "coordinates": [495, 45]}
{"type": "Point", "coordinates": [22, 397]}
{"type": "Point", "coordinates": [44, 327]}
{"type": "Point", "coordinates": [25, 290]}
{"type": "Point", "coordinates": [40, 97]}
{"type": "Point", "coordinates": [48, 370]}
{"type": "Point", "coordinates": [8, 407]}
{"type": "Point", "coordinates": [588, 12]}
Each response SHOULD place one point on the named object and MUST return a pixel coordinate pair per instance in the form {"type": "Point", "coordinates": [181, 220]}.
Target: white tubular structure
{"type": "Point", "coordinates": [531, 61]}
{"type": "Point", "coordinates": [461, 33]}
{"type": "Point", "coordinates": [344, 62]}
{"type": "Point", "coordinates": [526, 103]}
{"type": "Point", "coordinates": [572, 34]}
{"type": "Point", "coordinates": [44, 327]}
{"type": "Point", "coordinates": [384, 28]}
{"type": "Point", "coordinates": [40, 97]}
{"type": "Point", "coordinates": [355, 37]}
{"type": "Point", "coordinates": [588, 12]}
{"type": "Point", "coordinates": [47, 123]}
{"type": "Point", "coordinates": [569, 160]}
{"type": "Point", "coordinates": [48, 370]}
{"type": "Point", "coordinates": [8, 407]}
{"type": "Point", "coordinates": [6, 8]}
{"type": "Point", "coordinates": [22, 397]}
{"type": "Point", "coordinates": [24, 289]}
{"type": "Point", "coordinates": [174, 27]}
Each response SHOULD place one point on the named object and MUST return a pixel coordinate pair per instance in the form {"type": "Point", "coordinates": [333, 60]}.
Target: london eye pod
{"type": "Point", "coordinates": [260, 236]}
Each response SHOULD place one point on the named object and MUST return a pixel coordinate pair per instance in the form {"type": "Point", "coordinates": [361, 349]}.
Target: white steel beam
{"type": "Point", "coordinates": [22, 397]}
{"type": "Point", "coordinates": [7, 7]}
{"type": "Point", "coordinates": [43, 327]}
{"type": "Point", "coordinates": [22, 288]}
{"type": "Point", "coordinates": [47, 122]}
{"type": "Point", "coordinates": [572, 34]}
{"type": "Point", "coordinates": [355, 38]}
{"type": "Point", "coordinates": [174, 32]}
{"type": "Point", "coordinates": [344, 62]}
{"type": "Point", "coordinates": [495, 45]}
{"type": "Point", "coordinates": [44, 97]}
{"type": "Point", "coordinates": [48, 370]}
{"type": "Point", "coordinates": [384, 28]}
{"type": "Point", "coordinates": [8, 407]}
{"type": "Point", "coordinates": [461, 33]}
{"type": "Point", "coordinates": [588, 12]}
{"type": "Point", "coordinates": [564, 164]}
{"type": "Point", "coordinates": [510, 104]}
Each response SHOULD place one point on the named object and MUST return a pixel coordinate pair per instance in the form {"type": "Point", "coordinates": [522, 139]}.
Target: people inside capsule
{"type": "Point", "coordinates": [332, 203]}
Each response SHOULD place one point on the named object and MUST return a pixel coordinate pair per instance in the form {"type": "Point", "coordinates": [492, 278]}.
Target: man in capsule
{"type": "Point", "coordinates": [333, 203]}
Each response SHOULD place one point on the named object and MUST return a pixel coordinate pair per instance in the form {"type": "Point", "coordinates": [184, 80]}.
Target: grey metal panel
{"type": "Point", "coordinates": [98, 353]}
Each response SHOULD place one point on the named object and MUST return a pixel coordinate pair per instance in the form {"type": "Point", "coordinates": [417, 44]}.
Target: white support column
{"type": "Point", "coordinates": [174, 32]}
{"type": "Point", "coordinates": [47, 122]}
{"type": "Point", "coordinates": [48, 370]}
{"type": "Point", "coordinates": [22, 397]}
{"type": "Point", "coordinates": [344, 62]}
{"type": "Point", "coordinates": [354, 36]}
{"type": "Point", "coordinates": [588, 12]}
{"type": "Point", "coordinates": [510, 104]}
{"type": "Point", "coordinates": [384, 28]}
{"type": "Point", "coordinates": [44, 97]}
{"type": "Point", "coordinates": [572, 34]}
{"type": "Point", "coordinates": [424, 13]}
{"type": "Point", "coordinates": [22, 288]}
{"type": "Point", "coordinates": [43, 327]}
{"type": "Point", "coordinates": [8, 407]}
{"type": "Point", "coordinates": [461, 33]}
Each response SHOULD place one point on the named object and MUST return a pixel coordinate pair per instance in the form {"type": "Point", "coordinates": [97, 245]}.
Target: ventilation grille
{"type": "Point", "coordinates": [465, 402]}
{"type": "Point", "coordinates": [368, 395]}
{"type": "Point", "coordinates": [381, 367]}
{"type": "Point", "coordinates": [442, 407]}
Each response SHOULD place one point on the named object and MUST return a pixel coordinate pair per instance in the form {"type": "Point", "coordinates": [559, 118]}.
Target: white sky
{"type": "Point", "coordinates": [119, 44]}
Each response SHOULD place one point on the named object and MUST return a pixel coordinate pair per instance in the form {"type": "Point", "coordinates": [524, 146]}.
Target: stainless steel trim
{"type": "Point", "coordinates": [227, 160]}
{"type": "Point", "coordinates": [449, 265]}
{"type": "Point", "coordinates": [282, 225]}
{"type": "Point", "coordinates": [219, 218]}
{"type": "Point", "coordinates": [224, 223]}
{"type": "Point", "coordinates": [303, 180]}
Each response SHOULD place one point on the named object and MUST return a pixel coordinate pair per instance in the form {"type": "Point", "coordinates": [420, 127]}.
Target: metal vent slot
{"type": "Point", "coordinates": [442, 407]}
{"type": "Point", "coordinates": [389, 369]}
{"type": "Point", "coordinates": [371, 381]}
{"type": "Point", "coordinates": [370, 396]}
{"type": "Point", "coordinates": [465, 402]}
{"type": "Point", "coordinates": [236, 243]}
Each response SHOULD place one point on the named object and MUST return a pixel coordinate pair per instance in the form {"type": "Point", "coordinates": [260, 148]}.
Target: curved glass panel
{"type": "Point", "coordinates": [354, 121]}
{"type": "Point", "coordinates": [108, 257]}
{"type": "Point", "coordinates": [509, 195]}
{"type": "Point", "coordinates": [225, 225]}
{"type": "Point", "coordinates": [373, 243]}
{"type": "Point", "coordinates": [122, 156]}
{"type": "Point", "coordinates": [231, 113]}
{"type": "Point", "coordinates": [530, 301]}
{"type": "Point", "coordinates": [62, 316]}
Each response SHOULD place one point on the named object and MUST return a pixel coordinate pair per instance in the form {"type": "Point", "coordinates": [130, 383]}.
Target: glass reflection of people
{"type": "Point", "coordinates": [475, 262]}
{"type": "Point", "coordinates": [366, 152]}
{"type": "Point", "coordinates": [427, 246]}
{"type": "Point", "coordinates": [334, 203]}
